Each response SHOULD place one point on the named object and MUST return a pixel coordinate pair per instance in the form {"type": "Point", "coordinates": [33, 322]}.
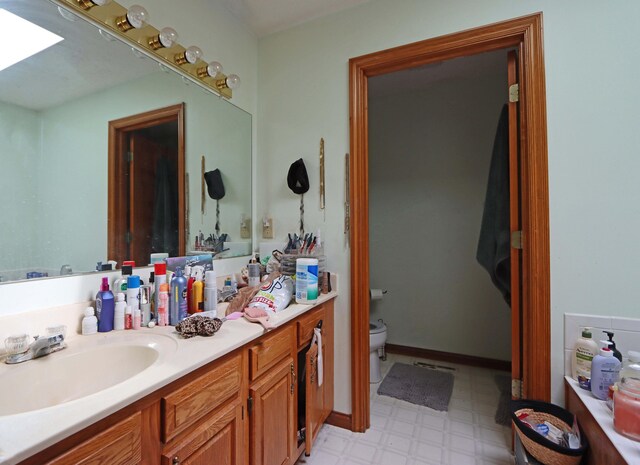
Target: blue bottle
{"type": "Point", "coordinates": [178, 299]}
{"type": "Point", "coordinates": [105, 305]}
{"type": "Point", "coordinates": [605, 369]}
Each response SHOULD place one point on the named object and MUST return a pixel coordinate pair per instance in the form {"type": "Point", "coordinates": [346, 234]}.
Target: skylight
{"type": "Point", "coordinates": [20, 39]}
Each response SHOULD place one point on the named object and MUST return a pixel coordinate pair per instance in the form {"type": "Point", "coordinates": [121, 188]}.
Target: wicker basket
{"type": "Point", "coordinates": [541, 448]}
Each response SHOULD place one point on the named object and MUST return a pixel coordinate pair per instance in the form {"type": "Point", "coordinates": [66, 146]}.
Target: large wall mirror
{"type": "Point", "coordinates": [55, 112]}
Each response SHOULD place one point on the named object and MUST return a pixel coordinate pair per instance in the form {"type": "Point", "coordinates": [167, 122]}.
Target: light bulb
{"type": "Point", "coordinates": [211, 70]}
{"type": "Point", "coordinates": [168, 36]}
{"type": "Point", "coordinates": [87, 4]}
{"type": "Point", "coordinates": [214, 68]}
{"type": "Point", "coordinates": [233, 81]}
{"type": "Point", "coordinates": [101, 2]}
{"type": "Point", "coordinates": [137, 16]}
{"type": "Point", "coordinates": [192, 54]}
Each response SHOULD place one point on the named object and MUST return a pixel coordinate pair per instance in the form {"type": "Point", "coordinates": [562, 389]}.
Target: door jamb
{"type": "Point", "coordinates": [525, 33]}
{"type": "Point", "coordinates": [117, 132]}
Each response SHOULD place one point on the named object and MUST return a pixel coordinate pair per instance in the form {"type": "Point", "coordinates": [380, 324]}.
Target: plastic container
{"type": "Point", "coordinates": [163, 305]}
{"type": "Point", "coordinates": [89, 322]}
{"type": "Point", "coordinates": [626, 403]}
{"type": "Point", "coordinates": [585, 349]}
{"type": "Point", "coordinates": [605, 369]}
{"type": "Point", "coordinates": [210, 291]}
{"type": "Point", "coordinates": [178, 302]}
{"type": "Point", "coordinates": [105, 305]}
{"type": "Point", "coordinates": [306, 280]}
{"type": "Point", "coordinates": [133, 291]}
{"type": "Point", "coordinates": [118, 316]}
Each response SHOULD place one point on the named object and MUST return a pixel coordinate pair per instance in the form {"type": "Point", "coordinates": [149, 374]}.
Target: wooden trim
{"type": "Point", "coordinates": [525, 33]}
{"type": "Point", "coordinates": [117, 130]}
{"type": "Point", "coordinates": [460, 359]}
{"type": "Point", "coordinates": [339, 419]}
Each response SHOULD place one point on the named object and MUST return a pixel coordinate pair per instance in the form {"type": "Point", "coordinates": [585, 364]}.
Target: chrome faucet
{"type": "Point", "coordinates": [39, 348]}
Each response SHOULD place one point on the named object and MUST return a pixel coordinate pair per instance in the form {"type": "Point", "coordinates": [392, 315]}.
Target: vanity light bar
{"type": "Point", "coordinates": [112, 17]}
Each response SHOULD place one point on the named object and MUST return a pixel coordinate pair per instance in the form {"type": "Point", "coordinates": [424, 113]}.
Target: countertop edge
{"type": "Point", "coordinates": [628, 449]}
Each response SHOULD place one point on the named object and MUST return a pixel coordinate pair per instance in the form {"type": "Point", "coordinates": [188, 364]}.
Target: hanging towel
{"type": "Point", "coordinates": [317, 339]}
{"type": "Point", "coordinates": [494, 248]}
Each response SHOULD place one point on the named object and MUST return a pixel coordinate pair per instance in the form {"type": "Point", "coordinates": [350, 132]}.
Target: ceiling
{"type": "Point", "coordinates": [265, 17]}
{"type": "Point", "coordinates": [81, 64]}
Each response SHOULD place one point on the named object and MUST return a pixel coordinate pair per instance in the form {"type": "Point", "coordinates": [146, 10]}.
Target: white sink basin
{"type": "Point", "coordinates": [89, 365]}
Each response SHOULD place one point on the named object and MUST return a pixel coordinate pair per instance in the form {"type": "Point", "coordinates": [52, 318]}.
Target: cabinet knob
{"type": "Point", "coordinates": [176, 460]}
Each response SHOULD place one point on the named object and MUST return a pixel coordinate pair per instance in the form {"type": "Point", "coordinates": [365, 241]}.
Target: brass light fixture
{"type": "Point", "coordinates": [86, 4]}
{"type": "Point", "coordinates": [230, 82]}
{"type": "Point", "coordinates": [136, 17]}
{"type": "Point", "coordinates": [165, 39]}
{"type": "Point", "coordinates": [190, 55]}
{"type": "Point", "coordinates": [131, 27]}
{"type": "Point", "coordinates": [211, 70]}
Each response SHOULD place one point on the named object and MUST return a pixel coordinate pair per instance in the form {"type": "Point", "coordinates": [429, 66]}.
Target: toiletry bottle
{"type": "Point", "coordinates": [145, 304]}
{"type": "Point", "coordinates": [254, 273]}
{"type": "Point", "coordinates": [160, 272]}
{"type": "Point", "coordinates": [197, 291]}
{"type": "Point", "coordinates": [89, 322]}
{"type": "Point", "coordinates": [133, 291]}
{"type": "Point", "coordinates": [137, 318]}
{"type": "Point", "coordinates": [210, 291]}
{"type": "Point", "coordinates": [190, 276]}
{"type": "Point", "coordinates": [163, 305]}
{"type": "Point", "coordinates": [178, 302]}
{"type": "Point", "coordinates": [120, 284]}
{"type": "Point", "coordinates": [105, 306]}
{"type": "Point", "coordinates": [585, 350]}
{"type": "Point", "coordinates": [128, 317]}
{"type": "Point", "coordinates": [605, 369]}
{"type": "Point", "coordinates": [118, 315]}
{"type": "Point", "coordinates": [612, 346]}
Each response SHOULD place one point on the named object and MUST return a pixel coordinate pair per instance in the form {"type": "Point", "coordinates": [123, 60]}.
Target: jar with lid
{"type": "Point", "coordinates": [626, 403]}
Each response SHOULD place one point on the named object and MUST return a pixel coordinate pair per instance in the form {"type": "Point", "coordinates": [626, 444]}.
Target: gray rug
{"type": "Point", "coordinates": [421, 386]}
{"type": "Point", "coordinates": [503, 414]}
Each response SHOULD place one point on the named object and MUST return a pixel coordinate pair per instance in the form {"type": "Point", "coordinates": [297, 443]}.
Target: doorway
{"type": "Point", "coordinates": [533, 329]}
{"type": "Point", "coordinates": [146, 212]}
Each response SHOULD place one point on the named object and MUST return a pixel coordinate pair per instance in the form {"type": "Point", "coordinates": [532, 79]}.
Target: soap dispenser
{"type": "Point", "coordinates": [612, 346]}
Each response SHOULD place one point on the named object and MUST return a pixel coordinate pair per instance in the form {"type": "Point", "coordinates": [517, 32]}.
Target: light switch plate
{"type": "Point", "coordinates": [267, 228]}
{"type": "Point", "coordinates": [245, 228]}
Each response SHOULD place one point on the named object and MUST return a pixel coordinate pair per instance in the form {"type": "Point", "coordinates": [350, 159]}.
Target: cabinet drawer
{"type": "Point", "coordinates": [306, 323]}
{"type": "Point", "coordinates": [270, 350]}
{"type": "Point", "coordinates": [191, 402]}
{"type": "Point", "coordinates": [119, 445]}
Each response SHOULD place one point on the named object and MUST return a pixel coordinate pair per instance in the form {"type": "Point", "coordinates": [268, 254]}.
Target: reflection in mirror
{"type": "Point", "coordinates": [55, 112]}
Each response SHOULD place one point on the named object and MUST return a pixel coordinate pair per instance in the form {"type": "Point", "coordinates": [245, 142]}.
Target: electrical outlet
{"type": "Point", "coordinates": [267, 228]}
{"type": "Point", "coordinates": [245, 228]}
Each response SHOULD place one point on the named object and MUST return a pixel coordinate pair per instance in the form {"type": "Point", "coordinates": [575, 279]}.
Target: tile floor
{"type": "Point", "coordinates": [406, 434]}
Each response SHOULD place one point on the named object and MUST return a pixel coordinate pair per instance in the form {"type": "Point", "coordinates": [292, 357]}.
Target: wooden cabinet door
{"type": "Point", "coordinates": [272, 420]}
{"type": "Point", "coordinates": [118, 445]}
{"type": "Point", "coordinates": [218, 440]}
{"type": "Point", "coordinates": [314, 405]}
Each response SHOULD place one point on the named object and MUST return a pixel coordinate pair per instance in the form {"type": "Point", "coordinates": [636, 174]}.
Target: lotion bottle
{"type": "Point", "coordinates": [585, 350]}
{"type": "Point", "coordinates": [89, 322]}
{"type": "Point", "coordinates": [605, 369]}
{"type": "Point", "coordinates": [197, 291]}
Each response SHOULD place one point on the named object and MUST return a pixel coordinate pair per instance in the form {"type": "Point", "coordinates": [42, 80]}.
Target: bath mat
{"type": "Point", "coordinates": [421, 386]}
{"type": "Point", "coordinates": [503, 415]}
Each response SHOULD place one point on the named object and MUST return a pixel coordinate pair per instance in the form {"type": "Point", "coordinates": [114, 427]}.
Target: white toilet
{"type": "Point", "coordinates": [377, 339]}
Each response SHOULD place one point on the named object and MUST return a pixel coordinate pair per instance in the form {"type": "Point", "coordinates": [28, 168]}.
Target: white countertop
{"type": "Point", "coordinates": [24, 434]}
{"type": "Point", "coordinates": [629, 449]}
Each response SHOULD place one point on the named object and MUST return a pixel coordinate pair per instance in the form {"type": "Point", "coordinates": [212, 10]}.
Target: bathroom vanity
{"type": "Point", "coordinates": [238, 397]}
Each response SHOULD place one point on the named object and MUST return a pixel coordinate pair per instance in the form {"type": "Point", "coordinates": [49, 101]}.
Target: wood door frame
{"type": "Point", "coordinates": [526, 34]}
{"type": "Point", "coordinates": [118, 130]}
